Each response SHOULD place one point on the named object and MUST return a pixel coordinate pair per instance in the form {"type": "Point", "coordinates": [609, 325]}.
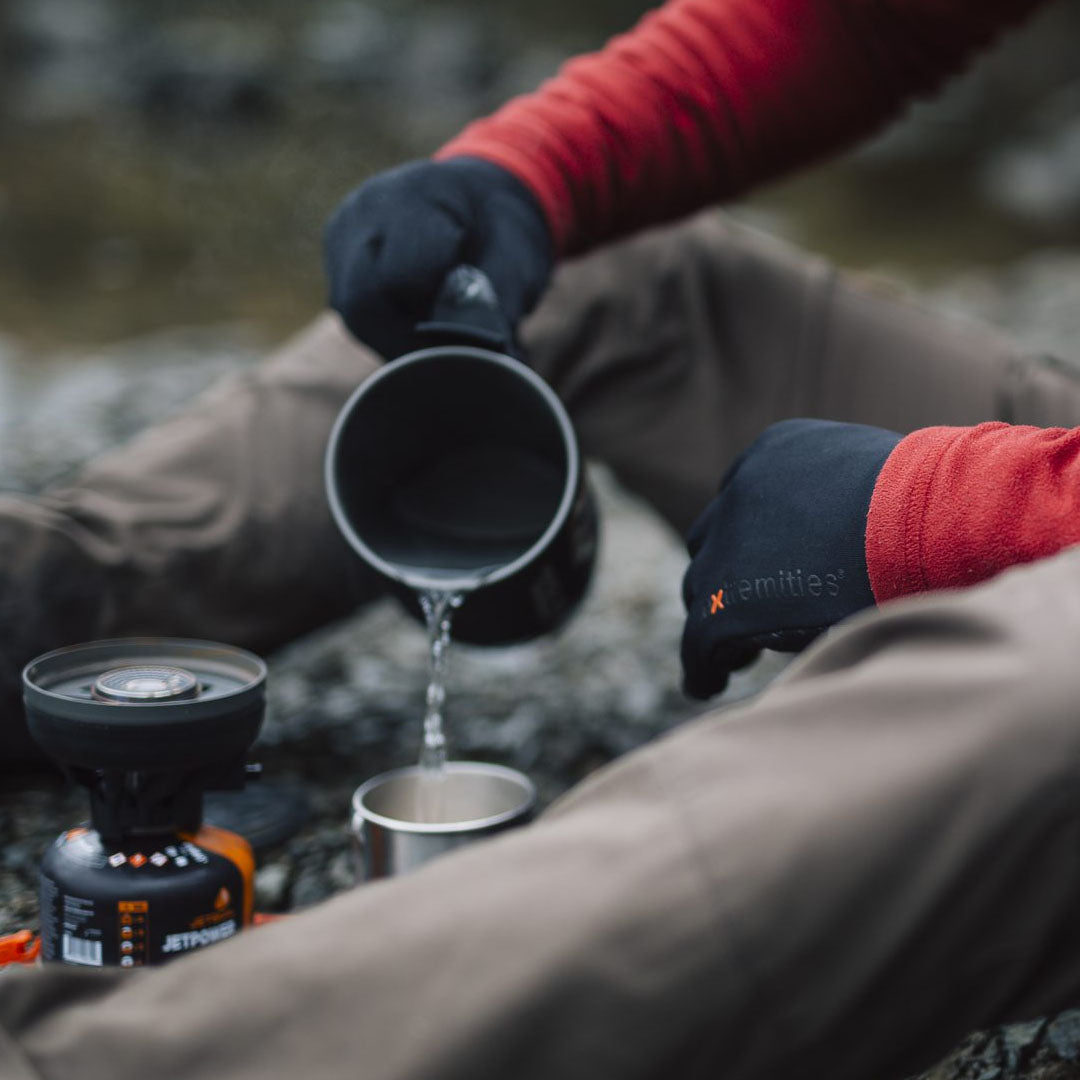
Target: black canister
{"type": "Point", "coordinates": [147, 726]}
{"type": "Point", "coordinates": [456, 468]}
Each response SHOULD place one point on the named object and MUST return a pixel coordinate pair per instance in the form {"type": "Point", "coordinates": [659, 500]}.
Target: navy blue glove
{"type": "Point", "coordinates": [779, 555]}
{"type": "Point", "coordinates": [392, 241]}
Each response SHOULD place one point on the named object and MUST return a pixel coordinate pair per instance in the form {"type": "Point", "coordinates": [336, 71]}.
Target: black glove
{"type": "Point", "coordinates": [780, 554]}
{"type": "Point", "coordinates": [392, 241]}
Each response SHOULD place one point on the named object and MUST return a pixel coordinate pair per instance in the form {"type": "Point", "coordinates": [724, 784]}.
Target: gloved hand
{"type": "Point", "coordinates": [779, 555]}
{"type": "Point", "coordinates": [392, 241]}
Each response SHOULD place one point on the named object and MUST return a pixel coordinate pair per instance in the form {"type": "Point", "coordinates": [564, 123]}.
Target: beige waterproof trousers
{"type": "Point", "coordinates": [837, 880]}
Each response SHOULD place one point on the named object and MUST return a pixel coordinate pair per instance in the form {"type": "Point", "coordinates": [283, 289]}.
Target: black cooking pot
{"type": "Point", "coordinates": [147, 724]}
{"type": "Point", "coordinates": [455, 468]}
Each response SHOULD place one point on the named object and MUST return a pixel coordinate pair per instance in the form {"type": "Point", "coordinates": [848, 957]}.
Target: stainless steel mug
{"type": "Point", "coordinates": [403, 818]}
{"type": "Point", "coordinates": [456, 468]}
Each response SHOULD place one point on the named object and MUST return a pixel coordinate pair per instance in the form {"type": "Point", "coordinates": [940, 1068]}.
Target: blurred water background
{"type": "Point", "coordinates": [165, 170]}
{"type": "Point", "coordinates": [171, 165]}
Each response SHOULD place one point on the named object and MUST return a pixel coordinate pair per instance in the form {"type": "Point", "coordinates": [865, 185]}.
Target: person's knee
{"type": "Point", "coordinates": [1000, 655]}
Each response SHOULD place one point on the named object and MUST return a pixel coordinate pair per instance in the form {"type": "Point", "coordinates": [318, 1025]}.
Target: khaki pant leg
{"type": "Point", "coordinates": [838, 880]}
{"type": "Point", "coordinates": [674, 350]}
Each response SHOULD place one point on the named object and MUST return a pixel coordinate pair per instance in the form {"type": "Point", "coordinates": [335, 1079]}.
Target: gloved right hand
{"type": "Point", "coordinates": [780, 554]}
{"type": "Point", "coordinates": [392, 241]}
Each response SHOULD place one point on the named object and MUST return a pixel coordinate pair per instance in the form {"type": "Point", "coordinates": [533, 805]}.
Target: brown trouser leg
{"type": "Point", "coordinates": [876, 856]}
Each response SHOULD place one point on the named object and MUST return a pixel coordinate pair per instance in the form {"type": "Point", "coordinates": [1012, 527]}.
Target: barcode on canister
{"type": "Point", "coordinates": [80, 951]}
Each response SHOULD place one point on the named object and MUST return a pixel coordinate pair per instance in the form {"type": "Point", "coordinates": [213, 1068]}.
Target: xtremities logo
{"type": "Point", "coordinates": [783, 585]}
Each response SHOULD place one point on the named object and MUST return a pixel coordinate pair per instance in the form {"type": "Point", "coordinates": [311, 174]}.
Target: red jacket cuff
{"type": "Point", "coordinates": [954, 506]}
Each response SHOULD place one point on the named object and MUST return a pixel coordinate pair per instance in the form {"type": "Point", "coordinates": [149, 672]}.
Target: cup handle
{"type": "Point", "coordinates": [466, 311]}
{"type": "Point", "coordinates": [359, 850]}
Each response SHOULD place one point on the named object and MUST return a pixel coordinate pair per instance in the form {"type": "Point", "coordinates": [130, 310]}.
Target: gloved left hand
{"type": "Point", "coordinates": [779, 555]}
{"type": "Point", "coordinates": [392, 241]}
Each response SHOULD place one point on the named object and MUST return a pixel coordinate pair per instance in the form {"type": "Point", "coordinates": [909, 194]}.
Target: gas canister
{"type": "Point", "coordinates": [146, 726]}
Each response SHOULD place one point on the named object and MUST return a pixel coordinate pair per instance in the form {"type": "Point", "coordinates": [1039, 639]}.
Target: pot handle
{"type": "Point", "coordinates": [466, 311]}
{"type": "Point", "coordinates": [359, 847]}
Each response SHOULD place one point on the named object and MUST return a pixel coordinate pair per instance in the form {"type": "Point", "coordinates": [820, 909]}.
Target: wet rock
{"type": "Point", "coordinates": [57, 411]}
{"type": "Point", "coordinates": [1063, 1035]}
{"type": "Point", "coordinates": [1038, 178]}
{"type": "Point", "coordinates": [1038, 182]}
{"type": "Point", "coordinates": [310, 887]}
{"type": "Point", "coordinates": [449, 53]}
{"type": "Point", "coordinates": [62, 59]}
{"type": "Point", "coordinates": [444, 76]}
{"type": "Point", "coordinates": [1020, 1043]}
{"type": "Point", "coordinates": [272, 886]}
{"type": "Point", "coordinates": [341, 873]}
{"type": "Point", "coordinates": [321, 858]}
{"type": "Point", "coordinates": [526, 68]}
{"type": "Point", "coordinates": [63, 26]}
{"type": "Point", "coordinates": [440, 70]}
{"type": "Point", "coordinates": [1034, 299]}
{"type": "Point", "coordinates": [351, 44]}
{"type": "Point", "coordinates": [1023, 1051]}
{"type": "Point", "coordinates": [207, 69]}
{"type": "Point", "coordinates": [978, 1057]}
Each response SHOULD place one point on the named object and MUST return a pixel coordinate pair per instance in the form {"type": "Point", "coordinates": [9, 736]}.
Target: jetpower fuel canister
{"type": "Point", "coordinates": [146, 726]}
{"type": "Point", "coordinates": [144, 902]}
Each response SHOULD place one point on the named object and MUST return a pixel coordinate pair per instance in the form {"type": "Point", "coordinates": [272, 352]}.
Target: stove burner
{"type": "Point", "coordinates": [145, 683]}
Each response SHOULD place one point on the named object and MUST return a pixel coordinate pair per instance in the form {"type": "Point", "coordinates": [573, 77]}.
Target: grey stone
{"type": "Point", "coordinates": [1020, 1042]}
{"type": "Point", "coordinates": [1063, 1035]}
{"type": "Point", "coordinates": [58, 410]}
{"type": "Point", "coordinates": [352, 43]}
{"type": "Point", "coordinates": [62, 59]}
{"type": "Point", "coordinates": [271, 886]}
{"type": "Point", "coordinates": [309, 888]}
{"type": "Point", "coordinates": [1036, 175]}
{"type": "Point", "coordinates": [341, 873]}
{"type": "Point", "coordinates": [1035, 299]}
{"type": "Point", "coordinates": [208, 68]}
{"type": "Point", "coordinates": [64, 25]}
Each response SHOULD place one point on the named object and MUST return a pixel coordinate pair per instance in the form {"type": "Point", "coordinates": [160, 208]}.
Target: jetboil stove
{"type": "Point", "coordinates": [146, 726]}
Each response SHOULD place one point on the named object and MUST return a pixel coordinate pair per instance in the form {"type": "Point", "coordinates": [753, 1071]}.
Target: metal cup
{"type": "Point", "coordinates": [456, 468]}
{"type": "Point", "coordinates": [403, 818]}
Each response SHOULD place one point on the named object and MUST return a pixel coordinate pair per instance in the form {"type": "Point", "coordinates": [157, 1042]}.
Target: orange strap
{"type": "Point", "coordinates": [22, 947]}
{"type": "Point", "coordinates": [264, 917]}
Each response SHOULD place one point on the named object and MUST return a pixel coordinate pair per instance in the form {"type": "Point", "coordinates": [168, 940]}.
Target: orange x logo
{"type": "Point", "coordinates": [717, 602]}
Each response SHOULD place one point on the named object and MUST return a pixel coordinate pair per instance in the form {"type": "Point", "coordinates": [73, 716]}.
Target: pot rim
{"type": "Point", "coordinates": [441, 583]}
{"type": "Point", "coordinates": [472, 825]}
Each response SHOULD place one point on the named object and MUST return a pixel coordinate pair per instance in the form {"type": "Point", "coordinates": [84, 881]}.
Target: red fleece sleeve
{"type": "Point", "coordinates": [953, 506]}
{"type": "Point", "coordinates": [705, 97]}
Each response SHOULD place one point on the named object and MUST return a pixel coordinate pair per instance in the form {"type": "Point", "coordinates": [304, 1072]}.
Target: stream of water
{"type": "Point", "coordinates": [438, 607]}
